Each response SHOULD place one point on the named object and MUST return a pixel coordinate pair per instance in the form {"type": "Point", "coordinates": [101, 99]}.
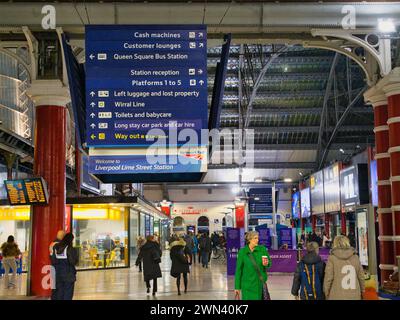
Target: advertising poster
{"type": "Point", "coordinates": [349, 188]}
{"type": "Point", "coordinates": [234, 241]}
{"type": "Point", "coordinates": [147, 225]}
{"type": "Point", "coordinates": [264, 236]}
{"type": "Point", "coordinates": [362, 236]}
{"type": "Point", "coordinates": [374, 183]}
{"type": "Point", "coordinates": [296, 205]}
{"type": "Point", "coordinates": [305, 203]}
{"type": "Point", "coordinates": [317, 192]}
{"type": "Point", "coordinates": [239, 212]}
{"type": "Point", "coordinates": [332, 188]}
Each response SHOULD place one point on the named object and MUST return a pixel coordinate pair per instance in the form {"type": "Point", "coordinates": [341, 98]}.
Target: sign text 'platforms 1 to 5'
{"type": "Point", "coordinates": [143, 77]}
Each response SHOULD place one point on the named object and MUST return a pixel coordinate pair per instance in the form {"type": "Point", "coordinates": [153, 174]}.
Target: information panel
{"type": "Point", "coordinates": [260, 200]}
{"type": "Point", "coordinates": [144, 77]}
{"type": "Point", "coordinates": [26, 191]}
{"type": "Point", "coordinates": [305, 203]}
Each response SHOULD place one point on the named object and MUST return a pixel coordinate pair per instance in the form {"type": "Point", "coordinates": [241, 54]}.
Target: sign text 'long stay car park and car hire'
{"type": "Point", "coordinates": [146, 87]}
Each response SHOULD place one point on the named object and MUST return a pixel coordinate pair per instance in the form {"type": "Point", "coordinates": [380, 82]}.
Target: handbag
{"type": "Point", "coordinates": [266, 295]}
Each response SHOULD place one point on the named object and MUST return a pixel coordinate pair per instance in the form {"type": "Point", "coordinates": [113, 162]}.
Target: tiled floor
{"type": "Point", "coordinates": [204, 284]}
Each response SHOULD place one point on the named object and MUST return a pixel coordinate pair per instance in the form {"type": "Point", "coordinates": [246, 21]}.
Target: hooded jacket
{"type": "Point", "coordinates": [344, 276]}
{"type": "Point", "coordinates": [10, 250]}
{"type": "Point", "coordinates": [308, 259]}
{"type": "Point", "coordinates": [150, 253]}
{"type": "Point", "coordinates": [178, 252]}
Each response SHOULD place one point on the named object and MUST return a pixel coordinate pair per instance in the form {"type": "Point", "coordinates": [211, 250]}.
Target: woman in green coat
{"type": "Point", "coordinates": [247, 280]}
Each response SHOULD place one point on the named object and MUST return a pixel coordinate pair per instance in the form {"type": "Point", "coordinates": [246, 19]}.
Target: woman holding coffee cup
{"type": "Point", "coordinates": [251, 269]}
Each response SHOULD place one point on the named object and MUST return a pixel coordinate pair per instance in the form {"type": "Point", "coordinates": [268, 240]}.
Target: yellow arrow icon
{"type": "Point", "coordinates": [93, 136]}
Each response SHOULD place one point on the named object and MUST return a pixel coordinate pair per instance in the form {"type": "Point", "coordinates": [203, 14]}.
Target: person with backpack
{"type": "Point", "coordinates": [205, 248]}
{"type": "Point", "coordinates": [251, 270]}
{"type": "Point", "coordinates": [344, 274]}
{"type": "Point", "coordinates": [10, 251]}
{"type": "Point", "coordinates": [309, 275]}
{"type": "Point", "coordinates": [64, 259]}
{"type": "Point", "coordinates": [180, 257]}
{"type": "Point", "coordinates": [150, 254]}
{"type": "Point", "coordinates": [195, 249]}
{"type": "Point", "coordinates": [189, 243]}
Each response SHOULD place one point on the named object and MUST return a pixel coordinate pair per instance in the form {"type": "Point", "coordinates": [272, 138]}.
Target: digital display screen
{"type": "Point", "coordinates": [332, 188]}
{"type": "Point", "coordinates": [296, 205]}
{"type": "Point", "coordinates": [26, 191]}
{"type": "Point", "coordinates": [317, 192]}
{"type": "Point", "coordinates": [305, 203]}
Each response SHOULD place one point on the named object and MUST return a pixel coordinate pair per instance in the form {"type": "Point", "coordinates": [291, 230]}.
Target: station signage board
{"type": "Point", "coordinates": [354, 189]}
{"type": "Point", "coordinates": [27, 191]}
{"type": "Point", "coordinates": [260, 200]}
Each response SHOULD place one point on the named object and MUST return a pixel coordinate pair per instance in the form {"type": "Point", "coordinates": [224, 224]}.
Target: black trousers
{"type": "Point", "coordinates": [185, 281]}
{"type": "Point", "coordinates": [193, 258]}
{"type": "Point", "coordinates": [154, 284]}
{"type": "Point", "coordinates": [64, 290]}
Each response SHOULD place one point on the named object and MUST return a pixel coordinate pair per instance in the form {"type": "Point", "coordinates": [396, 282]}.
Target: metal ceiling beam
{"type": "Point", "coordinates": [265, 112]}
{"type": "Point", "coordinates": [267, 165]}
{"type": "Point", "coordinates": [307, 146]}
{"type": "Point", "coordinates": [241, 17]}
{"type": "Point", "coordinates": [325, 106]}
{"type": "Point", "coordinates": [339, 125]}
{"type": "Point", "coordinates": [308, 129]}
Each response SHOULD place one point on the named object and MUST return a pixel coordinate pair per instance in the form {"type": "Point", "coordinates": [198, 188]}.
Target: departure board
{"type": "Point", "coordinates": [26, 191]}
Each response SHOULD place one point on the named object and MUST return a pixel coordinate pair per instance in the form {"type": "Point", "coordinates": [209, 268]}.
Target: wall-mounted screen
{"type": "Point", "coordinates": [317, 192]}
{"type": "Point", "coordinates": [305, 203]}
{"type": "Point", "coordinates": [296, 205]}
{"type": "Point", "coordinates": [332, 188]}
{"type": "Point", "coordinates": [27, 191]}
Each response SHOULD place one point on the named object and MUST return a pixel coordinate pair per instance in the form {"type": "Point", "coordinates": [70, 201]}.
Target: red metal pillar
{"type": "Point", "coordinates": [379, 102]}
{"type": "Point", "coordinates": [314, 222]}
{"type": "Point", "coordinates": [392, 91]}
{"type": "Point", "coordinates": [50, 98]}
{"type": "Point", "coordinates": [343, 222]}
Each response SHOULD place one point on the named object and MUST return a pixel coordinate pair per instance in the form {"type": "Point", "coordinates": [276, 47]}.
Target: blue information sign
{"type": "Point", "coordinates": [144, 77]}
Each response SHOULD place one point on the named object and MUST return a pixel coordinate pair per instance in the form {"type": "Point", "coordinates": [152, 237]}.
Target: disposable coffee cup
{"type": "Point", "coordinates": [265, 259]}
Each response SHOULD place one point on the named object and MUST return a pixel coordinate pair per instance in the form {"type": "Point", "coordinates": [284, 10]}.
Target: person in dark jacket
{"type": "Point", "coordinates": [205, 248]}
{"type": "Point", "coordinates": [312, 261]}
{"type": "Point", "coordinates": [10, 251]}
{"type": "Point", "coordinates": [64, 260]}
{"type": "Point", "coordinates": [59, 237]}
{"type": "Point", "coordinates": [150, 254]}
{"type": "Point", "coordinates": [180, 256]}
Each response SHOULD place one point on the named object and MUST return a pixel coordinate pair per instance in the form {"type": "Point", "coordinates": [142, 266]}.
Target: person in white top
{"type": "Point", "coordinates": [325, 240]}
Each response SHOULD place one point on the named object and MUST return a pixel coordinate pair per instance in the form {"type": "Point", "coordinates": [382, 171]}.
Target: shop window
{"type": "Point", "coordinates": [15, 221]}
{"type": "Point", "coordinates": [101, 235]}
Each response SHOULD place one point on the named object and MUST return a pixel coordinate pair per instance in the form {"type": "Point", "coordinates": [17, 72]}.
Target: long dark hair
{"type": "Point", "coordinates": [10, 239]}
{"type": "Point", "coordinates": [65, 242]}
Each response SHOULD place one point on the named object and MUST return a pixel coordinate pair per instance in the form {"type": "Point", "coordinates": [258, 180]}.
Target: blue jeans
{"type": "Point", "coordinates": [204, 258]}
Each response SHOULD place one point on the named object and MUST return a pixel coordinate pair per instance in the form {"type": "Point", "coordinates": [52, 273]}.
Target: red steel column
{"type": "Point", "coordinates": [392, 91]}
{"type": "Point", "coordinates": [327, 224]}
{"type": "Point", "coordinates": [50, 99]}
{"type": "Point", "coordinates": [379, 103]}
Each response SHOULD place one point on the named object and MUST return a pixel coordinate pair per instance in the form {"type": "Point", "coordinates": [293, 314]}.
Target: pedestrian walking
{"type": "Point", "coordinates": [64, 260]}
{"type": "Point", "coordinates": [195, 249]}
{"type": "Point", "coordinates": [205, 248]}
{"type": "Point", "coordinates": [251, 270]}
{"type": "Point", "coordinates": [59, 237]}
{"type": "Point", "coordinates": [344, 274]}
{"type": "Point", "coordinates": [309, 276]}
{"type": "Point", "coordinates": [180, 257]}
{"type": "Point", "coordinates": [150, 254]}
{"type": "Point", "coordinates": [139, 244]}
{"type": "Point", "coordinates": [10, 252]}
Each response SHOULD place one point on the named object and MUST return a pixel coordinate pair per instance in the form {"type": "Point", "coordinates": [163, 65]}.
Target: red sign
{"type": "Point", "coordinates": [190, 210]}
{"type": "Point", "coordinates": [67, 222]}
{"type": "Point", "coordinates": [239, 213]}
{"type": "Point", "coordinates": [166, 210]}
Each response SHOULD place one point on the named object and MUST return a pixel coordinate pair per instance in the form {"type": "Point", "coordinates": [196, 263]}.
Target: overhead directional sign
{"type": "Point", "coordinates": [143, 77]}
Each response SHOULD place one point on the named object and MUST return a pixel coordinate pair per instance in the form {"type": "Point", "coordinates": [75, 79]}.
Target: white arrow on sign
{"type": "Point", "coordinates": [93, 125]}
{"type": "Point", "coordinates": [92, 115]}
{"type": "Point", "coordinates": [200, 71]}
{"type": "Point", "coordinates": [201, 45]}
{"type": "Point", "coordinates": [92, 104]}
{"type": "Point", "coordinates": [201, 35]}
{"type": "Point", "coordinates": [92, 94]}
{"type": "Point", "coordinates": [91, 56]}
{"type": "Point", "coordinates": [201, 82]}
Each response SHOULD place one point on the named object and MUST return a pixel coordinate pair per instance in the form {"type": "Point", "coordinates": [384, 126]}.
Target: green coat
{"type": "Point", "coordinates": [246, 277]}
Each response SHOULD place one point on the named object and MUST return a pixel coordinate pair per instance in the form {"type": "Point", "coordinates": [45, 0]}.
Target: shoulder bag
{"type": "Point", "coordinates": [266, 295]}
